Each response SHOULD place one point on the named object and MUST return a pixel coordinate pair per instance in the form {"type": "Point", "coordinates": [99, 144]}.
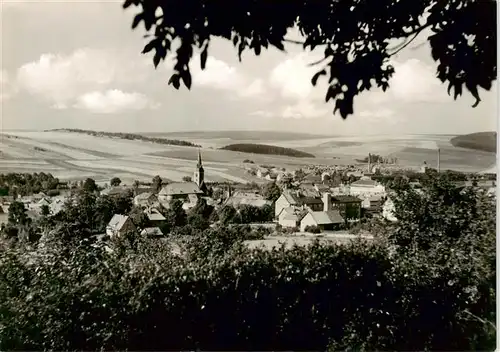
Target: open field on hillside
{"type": "Point", "coordinates": [237, 135]}
{"type": "Point", "coordinates": [77, 156]}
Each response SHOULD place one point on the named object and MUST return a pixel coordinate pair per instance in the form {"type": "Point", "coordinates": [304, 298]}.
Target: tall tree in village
{"type": "Point", "coordinates": [115, 182]}
{"type": "Point", "coordinates": [157, 184]}
{"type": "Point", "coordinates": [89, 186]}
{"type": "Point", "coordinates": [357, 48]}
{"type": "Point", "coordinates": [135, 186]}
{"type": "Point", "coordinates": [271, 191]}
{"type": "Point", "coordinates": [17, 214]}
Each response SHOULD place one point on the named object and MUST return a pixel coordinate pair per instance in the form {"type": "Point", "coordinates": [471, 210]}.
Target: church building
{"type": "Point", "coordinates": [199, 174]}
{"type": "Point", "coordinates": [188, 192]}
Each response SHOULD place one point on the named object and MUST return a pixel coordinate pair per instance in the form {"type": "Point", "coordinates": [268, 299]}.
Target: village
{"type": "Point", "coordinates": [299, 205]}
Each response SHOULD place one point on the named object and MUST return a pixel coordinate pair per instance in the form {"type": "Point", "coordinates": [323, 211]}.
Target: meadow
{"type": "Point", "coordinates": [72, 156]}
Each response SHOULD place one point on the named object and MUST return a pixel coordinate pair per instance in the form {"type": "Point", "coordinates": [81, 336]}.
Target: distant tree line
{"type": "Point", "coordinates": [130, 136]}
{"type": "Point", "coordinates": [398, 178]}
{"type": "Point", "coordinates": [266, 149]}
{"type": "Point", "coordinates": [13, 184]}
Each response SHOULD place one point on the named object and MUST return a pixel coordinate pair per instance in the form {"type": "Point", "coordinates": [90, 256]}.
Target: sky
{"type": "Point", "coordinates": [75, 64]}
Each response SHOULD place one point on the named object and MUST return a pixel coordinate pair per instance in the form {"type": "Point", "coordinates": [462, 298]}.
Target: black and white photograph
{"type": "Point", "coordinates": [251, 175]}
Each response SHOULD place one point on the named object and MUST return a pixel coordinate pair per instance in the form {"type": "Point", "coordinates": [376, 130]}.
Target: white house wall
{"type": "Point", "coordinates": [308, 220]}
{"type": "Point", "coordinates": [279, 205]}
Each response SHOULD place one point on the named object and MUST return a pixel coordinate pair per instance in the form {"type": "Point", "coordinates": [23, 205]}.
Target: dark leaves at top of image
{"type": "Point", "coordinates": [356, 36]}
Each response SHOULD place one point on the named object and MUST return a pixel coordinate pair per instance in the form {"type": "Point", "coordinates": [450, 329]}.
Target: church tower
{"type": "Point", "coordinates": [199, 174]}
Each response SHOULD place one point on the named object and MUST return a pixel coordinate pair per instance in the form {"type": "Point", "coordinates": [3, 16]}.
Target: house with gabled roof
{"type": "Point", "coordinates": [119, 225]}
{"type": "Point", "coordinates": [366, 186]}
{"type": "Point", "coordinates": [179, 190]}
{"type": "Point", "coordinates": [146, 199]}
{"type": "Point", "coordinates": [349, 206]}
{"type": "Point", "coordinates": [155, 218]}
{"type": "Point", "coordinates": [115, 191]}
{"type": "Point", "coordinates": [291, 217]}
{"type": "Point", "coordinates": [296, 200]}
{"type": "Point", "coordinates": [326, 220]}
{"type": "Point", "coordinates": [373, 204]}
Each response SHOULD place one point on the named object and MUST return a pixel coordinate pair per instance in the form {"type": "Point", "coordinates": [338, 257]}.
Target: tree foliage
{"type": "Point", "coordinates": [17, 214]}
{"type": "Point", "coordinates": [115, 182]}
{"type": "Point", "coordinates": [141, 297]}
{"type": "Point", "coordinates": [89, 186]}
{"type": "Point", "coordinates": [271, 192]}
{"type": "Point", "coordinates": [13, 184]}
{"type": "Point", "coordinates": [267, 150]}
{"type": "Point", "coordinates": [175, 214]}
{"type": "Point", "coordinates": [357, 38]}
{"type": "Point", "coordinates": [157, 184]}
{"type": "Point", "coordinates": [138, 217]}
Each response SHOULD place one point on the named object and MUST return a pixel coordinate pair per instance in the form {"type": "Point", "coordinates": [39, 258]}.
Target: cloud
{"type": "Point", "coordinates": [222, 76]}
{"type": "Point", "coordinates": [378, 113]}
{"type": "Point", "coordinates": [413, 82]}
{"type": "Point", "coordinates": [60, 79]}
{"type": "Point", "coordinates": [263, 113]}
{"type": "Point", "coordinates": [6, 89]}
{"type": "Point", "coordinates": [256, 88]}
{"type": "Point", "coordinates": [113, 101]}
{"type": "Point", "coordinates": [292, 77]}
{"type": "Point", "coordinates": [304, 110]}
{"type": "Point", "coordinates": [217, 74]}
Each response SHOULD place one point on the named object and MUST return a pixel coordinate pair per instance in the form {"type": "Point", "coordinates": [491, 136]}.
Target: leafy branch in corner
{"type": "Point", "coordinates": [356, 34]}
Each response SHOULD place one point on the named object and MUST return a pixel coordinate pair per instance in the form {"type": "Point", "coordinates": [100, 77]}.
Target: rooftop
{"type": "Point", "coordinates": [345, 199]}
{"type": "Point", "coordinates": [154, 215]}
{"type": "Point", "coordinates": [365, 183]}
{"type": "Point", "coordinates": [117, 221]}
{"type": "Point", "coordinates": [177, 188]}
{"type": "Point", "coordinates": [152, 231]}
{"type": "Point", "coordinates": [327, 217]}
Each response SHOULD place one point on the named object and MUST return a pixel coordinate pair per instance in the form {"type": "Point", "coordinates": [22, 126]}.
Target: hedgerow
{"type": "Point", "coordinates": [302, 299]}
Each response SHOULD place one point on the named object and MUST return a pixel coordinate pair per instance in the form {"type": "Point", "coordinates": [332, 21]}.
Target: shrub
{"type": "Point", "coordinates": [301, 299]}
{"type": "Point", "coordinates": [313, 229]}
{"type": "Point", "coordinates": [53, 192]}
{"type": "Point", "coordinates": [289, 230]}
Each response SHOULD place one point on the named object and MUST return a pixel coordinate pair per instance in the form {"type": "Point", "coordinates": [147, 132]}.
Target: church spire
{"type": "Point", "coordinates": [199, 159]}
{"type": "Point", "coordinates": [199, 173]}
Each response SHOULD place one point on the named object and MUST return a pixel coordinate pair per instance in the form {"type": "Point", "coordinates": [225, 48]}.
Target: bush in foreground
{"type": "Point", "coordinates": [140, 297]}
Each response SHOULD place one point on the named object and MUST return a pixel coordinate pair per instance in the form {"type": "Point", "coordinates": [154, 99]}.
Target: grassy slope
{"type": "Point", "coordinates": [129, 136]}
{"type": "Point", "coordinates": [238, 135]}
{"type": "Point", "coordinates": [485, 141]}
{"type": "Point", "coordinates": [267, 149]}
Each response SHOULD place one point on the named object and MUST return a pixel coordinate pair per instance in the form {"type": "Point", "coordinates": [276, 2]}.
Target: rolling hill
{"type": "Point", "coordinates": [266, 149]}
{"type": "Point", "coordinates": [237, 135]}
{"type": "Point", "coordinates": [485, 141]}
